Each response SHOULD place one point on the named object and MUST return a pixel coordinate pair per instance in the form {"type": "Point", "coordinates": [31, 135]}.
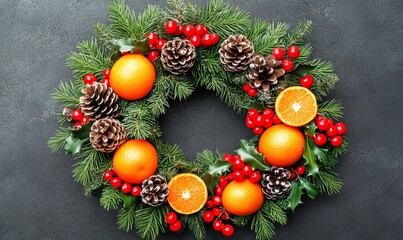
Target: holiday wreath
{"type": "Point", "coordinates": [261, 70]}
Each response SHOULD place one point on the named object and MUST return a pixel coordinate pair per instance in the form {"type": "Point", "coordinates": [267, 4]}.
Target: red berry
{"type": "Point", "coordinates": [171, 218]}
{"type": "Point", "coordinates": [237, 164]}
{"type": "Point", "coordinates": [331, 131]}
{"type": "Point", "coordinates": [89, 78]}
{"type": "Point", "coordinates": [218, 190]}
{"type": "Point", "coordinates": [341, 128]}
{"type": "Point", "coordinates": [252, 92]}
{"type": "Point", "coordinates": [106, 82]}
{"type": "Point", "coordinates": [254, 177]}
{"type": "Point", "coordinates": [210, 204]}
{"type": "Point", "coordinates": [276, 120]}
{"type": "Point", "coordinates": [115, 182]}
{"type": "Point", "coordinates": [217, 200]}
{"type": "Point", "coordinates": [108, 175]}
{"type": "Point", "coordinates": [247, 170]}
{"type": "Point", "coordinates": [253, 113]}
{"type": "Point", "coordinates": [171, 27]}
{"type": "Point", "coordinates": [228, 157]}
{"type": "Point", "coordinates": [136, 190]}
{"type": "Point", "coordinates": [216, 38]}
{"type": "Point", "coordinates": [250, 123]}
{"type": "Point", "coordinates": [179, 30]}
{"type": "Point", "coordinates": [317, 119]}
{"type": "Point", "coordinates": [336, 141]}
{"type": "Point", "coordinates": [161, 42]}
{"type": "Point", "coordinates": [200, 30]}
{"type": "Point", "coordinates": [223, 181]}
{"type": "Point", "coordinates": [306, 81]}
{"type": "Point", "coordinates": [258, 130]}
{"type": "Point", "coordinates": [330, 121]}
{"type": "Point", "coordinates": [246, 87]}
{"type": "Point", "coordinates": [208, 216]}
{"type": "Point", "coordinates": [268, 123]}
{"type": "Point", "coordinates": [152, 39]}
{"type": "Point", "coordinates": [293, 175]}
{"type": "Point", "coordinates": [320, 139]}
{"type": "Point", "coordinates": [225, 217]}
{"type": "Point", "coordinates": [77, 115]}
{"type": "Point", "coordinates": [287, 65]}
{"type": "Point", "coordinates": [278, 53]}
{"type": "Point", "coordinates": [126, 187]}
{"type": "Point", "coordinates": [230, 177]}
{"type": "Point", "coordinates": [227, 230]}
{"type": "Point", "coordinates": [217, 225]}
{"type": "Point", "coordinates": [268, 113]}
{"type": "Point", "coordinates": [238, 175]}
{"type": "Point", "coordinates": [125, 53]}
{"type": "Point", "coordinates": [195, 40]}
{"type": "Point", "coordinates": [322, 124]}
{"type": "Point", "coordinates": [259, 121]}
{"type": "Point", "coordinates": [188, 30]}
{"type": "Point", "coordinates": [216, 211]}
{"type": "Point", "coordinates": [300, 170]}
{"type": "Point", "coordinates": [107, 73]}
{"type": "Point", "coordinates": [207, 40]}
{"type": "Point", "coordinates": [175, 227]}
{"type": "Point", "coordinates": [77, 125]}
{"type": "Point", "coordinates": [153, 56]}
{"type": "Point", "coordinates": [293, 52]}
{"type": "Point", "coordinates": [85, 120]}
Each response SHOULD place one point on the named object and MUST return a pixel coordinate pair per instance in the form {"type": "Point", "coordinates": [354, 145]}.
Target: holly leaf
{"type": "Point", "coordinates": [74, 144]}
{"type": "Point", "coordinates": [310, 157]}
{"type": "Point", "coordinates": [210, 181]}
{"type": "Point", "coordinates": [83, 132]}
{"type": "Point", "coordinates": [294, 199]}
{"type": "Point", "coordinates": [251, 156]}
{"type": "Point", "coordinates": [303, 70]}
{"type": "Point", "coordinates": [219, 167]}
{"type": "Point", "coordinates": [310, 128]}
{"type": "Point", "coordinates": [128, 200]}
{"type": "Point", "coordinates": [258, 106]}
{"type": "Point", "coordinates": [129, 45]}
{"type": "Point", "coordinates": [310, 188]}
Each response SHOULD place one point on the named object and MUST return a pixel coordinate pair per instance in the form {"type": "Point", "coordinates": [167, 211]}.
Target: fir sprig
{"type": "Point", "coordinates": [331, 109]}
{"type": "Point", "coordinates": [150, 221]}
{"type": "Point", "coordinates": [299, 34]}
{"type": "Point", "coordinates": [68, 94]}
{"type": "Point", "coordinates": [126, 218]}
{"type": "Point", "coordinates": [261, 223]}
{"type": "Point", "coordinates": [266, 36]}
{"type": "Point", "coordinates": [327, 181]}
{"type": "Point", "coordinates": [110, 198]}
{"type": "Point", "coordinates": [57, 142]}
{"type": "Point", "coordinates": [196, 225]}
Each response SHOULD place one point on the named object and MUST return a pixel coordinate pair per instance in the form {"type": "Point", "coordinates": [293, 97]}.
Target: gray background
{"type": "Point", "coordinates": [40, 200]}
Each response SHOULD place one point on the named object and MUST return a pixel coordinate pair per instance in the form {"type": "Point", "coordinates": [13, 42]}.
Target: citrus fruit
{"type": "Point", "coordinates": [132, 77]}
{"type": "Point", "coordinates": [282, 145]}
{"type": "Point", "coordinates": [242, 198]}
{"type": "Point", "coordinates": [296, 106]}
{"type": "Point", "coordinates": [135, 161]}
{"type": "Point", "coordinates": [187, 193]}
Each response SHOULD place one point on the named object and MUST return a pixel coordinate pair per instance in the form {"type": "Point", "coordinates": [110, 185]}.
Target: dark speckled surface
{"type": "Point", "coordinates": [40, 200]}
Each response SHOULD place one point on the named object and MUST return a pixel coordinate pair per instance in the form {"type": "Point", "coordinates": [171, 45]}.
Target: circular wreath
{"type": "Point", "coordinates": [263, 71]}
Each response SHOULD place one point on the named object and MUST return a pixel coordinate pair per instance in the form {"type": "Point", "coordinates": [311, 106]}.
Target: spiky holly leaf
{"type": "Point", "coordinates": [129, 45]}
{"type": "Point", "coordinates": [294, 199]}
{"type": "Point", "coordinates": [219, 167]}
{"type": "Point", "coordinates": [251, 156]}
{"type": "Point", "coordinates": [310, 157]}
{"type": "Point", "coordinates": [211, 181]}
{"type": "Point", "coordinates": [310, 188]}
{"type": "Point", "coordinates": [128, 200]}
{"type": "Point", "coordinates": [310, 128]}
{"type": "Point", "coordinates": [74, 144]}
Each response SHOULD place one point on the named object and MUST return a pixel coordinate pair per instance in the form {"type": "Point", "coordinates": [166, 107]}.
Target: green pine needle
{"type": "Point", "coordinates": [299, 34]}
{"type": "Point", "coordinates": [327, 182]}
{"type": "Point", "coordinates": [261, 223]}
{"type": "Point", "coordinates": [110, 198]}
{"type": "Point", "coordinates": [57, 142]}
{"type": "Point", "coordinates": [126, 218]}
{"type": "Point", "coordinates": [277, 214]}
{"type": "Point", "coordinates": [68, 94]}
{"type": "Point", "coordinates": [266, 36]}
{"type": "Point", "coordinates": [331, 109]}
{"type": "Point", "coordinates": [241, 221]}
{"type": "Point", "coordinates": [150, 221]}
{"type": "Point", "coordinates": [138, 121]}
{"type": "Point", "coordinates": [89, 167]}
{"type": "Point", "coordinates": [196, 225]}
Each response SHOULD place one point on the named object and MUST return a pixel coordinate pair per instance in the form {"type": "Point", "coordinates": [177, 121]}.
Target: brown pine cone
{"type": "Point", "coordinates": [178, 56]}
{"type": "Point", "coordinates": [276, 183]}
{"type": "Point", "coordinates": [265, 72]}
{"type": "Point", "coordinates": [236, 53]}
{"type": "Point", "coordinates": [107, 134]}
{"type": "Point", "coordinates": [99, 101]}
{"type": "Point", "coordinates": [154, 190]}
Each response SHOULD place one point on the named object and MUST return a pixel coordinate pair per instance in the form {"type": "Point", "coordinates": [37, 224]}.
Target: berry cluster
{"type": "Point", "coordinates": [293, 52]}
{"type": "Point", "coordinates": [79, 118]}
{"type": "Point", "coordinates": [116, 182]}
{"type": "Point", "coordinates": [90, 78]}
{"type": "Point", "coordinates": [299, 170]}
{"type": "Point", "coordinates": [258, 122]}
{"type": "Point", "coordinates": [329, 130]}
{"type": "Point", "coordinates": [156, 45]}
{"type": "Point", "coordinates": [174, 224]}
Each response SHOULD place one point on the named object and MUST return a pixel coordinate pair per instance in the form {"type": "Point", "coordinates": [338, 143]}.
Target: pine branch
{"type": "Point", "coordinates": [89, 166]}
{"type": "Point", "coordinates": [261, 223]}
{"type": "Point", "coordinates": [182, 88]}
{"type": "Point", "coordinates": [305, 54]}
{"type": "Point", "coordinates": [266, 36]}
{"type": "Point", "coordinates": [299, 34]}
{"type": "Point", "coordinates": [68, 94]}
{"type": "Point", "coordinates": [150, 221]}
{"type": "Point", "coordinates": [196, 225]}
{"type": "Point", "coordinates": [57, 142]}
{"type": "Point", "coordinates": [158, 100]}
{"type": "Point", "coordinates": [329, 162]}
{"type": "Point", "coordinates": [182, 11]}
{"type": "Point", "coordinates": [139, 122]}
{"type": "Point", "coordinates": [336, 151]}
{"type": "Point", "coordinates": [277, 214]}
{"type": "Point", "coordinates": [126, 218]}
{"type": "Point", "coordinates": [110, 198]}
{"type": "Point", "coordinates": [105, 34]}
{"type": "Point", "coordinates": [241, 221]}
{"type": "Point", "coordinates": [172, 160]}
{"type": "Point", "coordinates": [331, 109]}
{"type": "Point", "coordinates": [327, 181]}
{"type": "Point", "coordinates": [206, 158]}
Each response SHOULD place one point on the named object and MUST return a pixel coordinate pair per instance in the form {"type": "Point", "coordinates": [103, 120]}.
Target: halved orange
{"type": "Point", "coordinates": [187, 193]}
{"type": "Point", "coordinates": [296, 106]}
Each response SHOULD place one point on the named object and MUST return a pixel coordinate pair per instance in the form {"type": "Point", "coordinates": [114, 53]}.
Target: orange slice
{"type": "Point", "coordinates": [187, 193]}
{"type": "Point", "coordinates": [296, 106]}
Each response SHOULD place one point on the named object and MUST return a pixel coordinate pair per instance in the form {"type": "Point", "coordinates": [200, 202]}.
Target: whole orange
{"type": "Point", "coordinates": [282, 145]}
{"type": "Point", "coordinates": [135, 161]}
{"type": "Point", "coordinates": [132, 77]}
{"type": "Point", "coordinates": [242, 198]}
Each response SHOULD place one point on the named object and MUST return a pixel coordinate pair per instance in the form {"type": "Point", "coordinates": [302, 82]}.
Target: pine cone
{"type": "Point", "coordinates": [107, 134]}
{"type": "Point", "coordinates": [178, 56]}
{"type": "Point", "coordinates": [275, 183]}
{"type": "Point", "coordinates": [154, 190]}
{"type": "Point", "coordinates": [99, 101]}
{"type": "Point", "coordinates": [236, 53]}
{"type": "Point", "coordinates": [68, 113]}
{"type": "Point", "coordinates": [265, 72]}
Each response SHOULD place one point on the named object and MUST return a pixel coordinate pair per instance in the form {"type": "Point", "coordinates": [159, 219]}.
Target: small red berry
{"type": "Point", "coordinates": [207, 40]}
{"type": "Point", "coordinates": [336, 141]}
{"type": "Point", "coordinates": [223, 181]}
{"type": "Point", "coordinates": [106, 82]}
{"type": "Point", "coordinates": [175, 227]}
{"type": "Point", "coordinates": [171, 27]}
{"type": "Point", "coordinates": [331, 131]}
{"type": "Point", "coordinates": [200, 30]}
{"type": "Point", "coordinates": [300, 170]}
{"type": "Point", "coordinates": [278, 53]}
{"type": "Point", "coordinates": [317, 119]}
{"type": "Point", "coordinates": [188, 30]}
{"type": "Point", "coordinates": [306, 81]}
{"type": "Point", "coordinates": [293, 175]}
{"type": "Point", "coordinates": [210, 204]}
{"type": "Point", "coordinates": [293, 52]}
{"type": "Point", "coordinates": [247, 170]}
{"type": "Point", "coordinates": [238, 176]}
{"type": "Point", "coordinates": [276, 119]}
{"type": "Point", "coordinates": [228, 157]}
{"type": "Point", "coordinates": [171, 218]}
{"type": "Point", "coordinates": [259, 121]}
{"type": "Point", "coordinates": [218, 190]}
{"type": "Point", "coordinates": [77, 115]}
{"type": "Point", "coordinates": [89, 78]}
{"type": "Point", "coordinates": [136, 190]}
{"type": "Point", "coordinates": [216, 38]}
{"type": "Point", "coordinates": [341, 128]}
{"type": "Point", "coordinates": [287, 65]}
{"type": "Point", "coordinates": [77, 125]}
{"type": "Point", "coordinates": [195, 40]}
{"type": "Point", "coordinates": [161, 42]}
{"type": "Point", "coordinates": [254, 177]}
{"type": "Point", "coordinates": [227, 230]}
{"type": "Point", "coordinates": [115, 182]}
{"type": "Point", "coordinates": [107, 73]}
{"type": "Point", "coordinates": [153, 56]}
{"type": "Point", "coordinates": [268, 123]}
{"type": "Point", "coordinates": [249, 122]}
{"type": "Point", "coordinates": [217, 200]}
{"type": "Point", "coordinates": [268, 113]}
{"type": "Point", "coordinates": [152, 38]}
{"type": "Point", "coordinates": [330, 121]}
{"type": "Point", "coordinates": [252, 92]}
{"type": "Point", "coordinates": [258, 130]}
{"type": "Point", "coordinates": [225, 217]}
{"type": "Point", "coordinates": [108, 175]}
{"type": "Point", "coordinates": [208, 216]}
{"type": "Point", "coordinates": [217, 225]}
{"type": "Point", "coordinates": [216, 211]}
{"type": "Point", "coordinates": [85, 120]}
{"type": "Point", "coordinates": [253, 113]}
{"type": "Point", "coordinates": [179, 30]}
{"type": "Point", "coordinates": [230, 177]}
{"type": "Point", "coordinates": [320, 139]}
{"type": "Point", "coordinates": [237, 164]}
{"type": "Point", "coordinates": [246, 87]}
{"type": "Point", "coordinates": [126, 188]}
{"type": "Point", "coordinates": [322, 124]}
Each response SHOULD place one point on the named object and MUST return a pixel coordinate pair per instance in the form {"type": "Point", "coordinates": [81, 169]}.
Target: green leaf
{"type": "Point", "coordinates": [211, 181]}
{"type": "Point", "coordinates": [219, 167]}
{"type": "Point", "coordinates": [310, 128]}
{"type": "Point", "coordinates": [251, 156]}
{"type": "Point", "coordinates": [310, 157]}
{"type": "Point", "coordinates": [310, 188]}
{"type": "Point", "coordinates": [129, 45]}
{"type": "Point", "coordinates": [294, 199]}
{"type": "Point", "coordinates": [74, 144]}
{"type": "Point", "coordinates": [128, 200]}
{"type": "Point", "coordinates": [241, 221]}
{"type": "Point", "coordinates": [303, 70]}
